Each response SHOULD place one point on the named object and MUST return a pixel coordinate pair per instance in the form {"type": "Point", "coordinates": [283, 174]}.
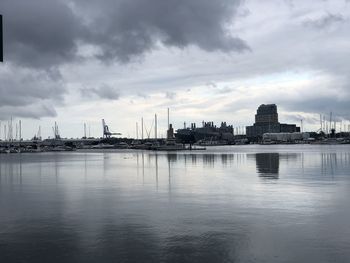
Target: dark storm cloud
{"type": "Point", "coordinates": [126, 28]}
{"type": "Point", "coordinates": [40, 33]}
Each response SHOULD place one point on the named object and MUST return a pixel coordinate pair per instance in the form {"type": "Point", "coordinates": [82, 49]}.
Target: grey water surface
{"type": "Point", "coordinates": [227, 204]}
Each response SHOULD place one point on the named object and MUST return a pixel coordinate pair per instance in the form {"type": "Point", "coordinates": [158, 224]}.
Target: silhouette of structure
{"type": "Point", "coordinates": [266, 121]}
{"type": "Point", "coordinates": [170, 132]}
{"type": "Point", "coordinates": [106, 132]}
{"type": "Point", "coordinates": [208, 131]}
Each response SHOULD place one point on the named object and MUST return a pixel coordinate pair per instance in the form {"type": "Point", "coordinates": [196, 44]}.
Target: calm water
{"type": "Point", "coordinates": [227, 204]}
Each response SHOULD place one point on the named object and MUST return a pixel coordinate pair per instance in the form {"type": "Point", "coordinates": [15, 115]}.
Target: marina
{"type": "Point", "coordinates": [174, 131]}
{"type": "Point", "coordinates": [266, 130]}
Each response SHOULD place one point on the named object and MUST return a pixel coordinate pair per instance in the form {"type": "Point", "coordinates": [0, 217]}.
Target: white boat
{"type": "Point", "coordinates": [103, 146]}
{"type": "Point", "coordinates": [170, 145]}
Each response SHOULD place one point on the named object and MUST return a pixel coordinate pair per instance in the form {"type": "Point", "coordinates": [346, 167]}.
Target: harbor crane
{"type": "Point", "coordinates": [106, 132]}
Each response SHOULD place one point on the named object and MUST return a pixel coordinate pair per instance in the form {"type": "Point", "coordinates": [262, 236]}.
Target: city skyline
{"type": "Point", "coordinates": [294, 55]}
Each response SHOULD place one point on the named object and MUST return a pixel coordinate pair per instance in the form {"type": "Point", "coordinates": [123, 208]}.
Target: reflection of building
{"type": "Point", "coordinates": [266, 121]}
{"type": "Point", "coordinates": [267, 164]}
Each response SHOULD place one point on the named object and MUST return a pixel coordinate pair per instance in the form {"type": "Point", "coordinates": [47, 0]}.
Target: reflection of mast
{"type": "Point", "coordinates": [143, 168]}
{"type": "Point", "coordinates": [20, 169]}
{"type": "Point", "coordinates": [85, 167]}
{"type": "Point", "coordinates": [169, 183]}
{"type": "Point", "coordinates": [137, 161]}
{"type": "Point", "coordinates": [157, 170]}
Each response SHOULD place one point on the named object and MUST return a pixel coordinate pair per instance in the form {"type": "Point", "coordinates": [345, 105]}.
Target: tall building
{"type": "Point", "coordinates": [266, 121]}
{"type": "Point", "coordinates": [266, 114]}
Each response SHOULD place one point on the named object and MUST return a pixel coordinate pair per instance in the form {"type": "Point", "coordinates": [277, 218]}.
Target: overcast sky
{"type": "Point", "coordinates": [76, 61]}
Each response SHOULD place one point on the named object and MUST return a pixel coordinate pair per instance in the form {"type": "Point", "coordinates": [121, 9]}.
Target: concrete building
{"type": "Point", "coordinates": [208, 132]}
{"type": "Point", "coordinates": [170, 132]}
{"type": "Point", "coordinates": [266, 121]}
{"type": "Point", "coordinates": [286, 137]}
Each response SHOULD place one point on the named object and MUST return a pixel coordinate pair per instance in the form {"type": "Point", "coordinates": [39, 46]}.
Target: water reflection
{"type": "Point", "coordinates": [186, 207]}
{"type": "Point", "coordinates": [267, 165]}
{"type": "Point", "coordinates": [205, 159]}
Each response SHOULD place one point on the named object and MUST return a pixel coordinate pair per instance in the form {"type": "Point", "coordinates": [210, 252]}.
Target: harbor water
{"type": "Point", "coordinates": [250, 203]}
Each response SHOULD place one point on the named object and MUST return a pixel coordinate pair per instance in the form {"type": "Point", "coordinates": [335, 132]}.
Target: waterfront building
{"type": "Point", "coordinates": [208, 132]}
{"type": "Point", "coordinates": [170, 132]}
{"type": "Point", "coordinates": [266, 121]}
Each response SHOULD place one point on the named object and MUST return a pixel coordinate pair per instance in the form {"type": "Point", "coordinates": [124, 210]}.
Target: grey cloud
{"type": "Point", "coordinates": [211, 84]}
{"type": "Point", "coordinates": [128, 28]}
{"type": "Point", "coordinates": [40, 33]}
{"type": "Point", "coordinates": [33, 111]}
{"type": "Point", "coordinates": [25, 87]}
{"type": "Point", "coordinates": [324, 21]}
{"type": "Point", "coordinates": [225, 90]}
{"type": "Point", "coordinates": [170, 95]}
{"type": "Point", "coordinates": [319, 105]}
{"type": "Point", "coordinates": [104, 92]}
{"type": "Point", "coordinates": [143, 95]}
{"type": "Point", "coordinates": [296, 118]}
{"type": "Point", "coordinates": [40, 36]}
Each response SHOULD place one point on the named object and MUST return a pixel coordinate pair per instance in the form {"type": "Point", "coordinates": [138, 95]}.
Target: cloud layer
{"type": "Point", "coordinates": [207, 59]}
{"type": "Point", "coordinates": [43, 33]}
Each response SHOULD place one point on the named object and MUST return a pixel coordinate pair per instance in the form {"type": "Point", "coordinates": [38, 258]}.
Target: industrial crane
{"type": "Point", "coordinates": [106, 132]}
